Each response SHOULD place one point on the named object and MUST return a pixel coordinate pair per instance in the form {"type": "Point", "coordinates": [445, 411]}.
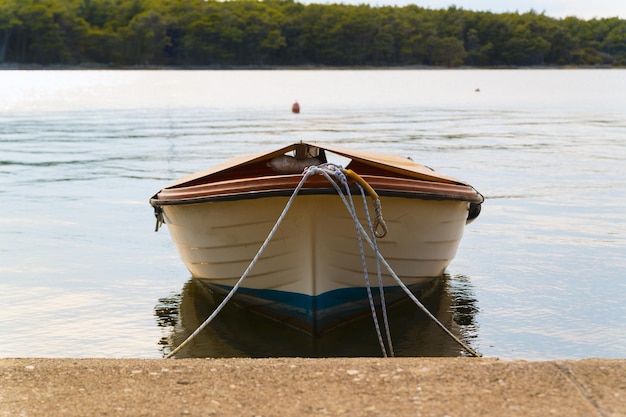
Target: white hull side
{"type": "Point", "coordinates": [315, 250]}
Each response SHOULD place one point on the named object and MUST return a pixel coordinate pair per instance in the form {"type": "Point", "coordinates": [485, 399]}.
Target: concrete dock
{"type": "Point", "coordinates": [312, 387]}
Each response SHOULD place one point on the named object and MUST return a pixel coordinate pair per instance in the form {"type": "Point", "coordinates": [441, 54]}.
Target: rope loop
{"type": "Point", "coordinates": [380, 222]}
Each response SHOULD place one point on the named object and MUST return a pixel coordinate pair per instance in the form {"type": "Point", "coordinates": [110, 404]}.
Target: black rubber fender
{"type": "Point", "coordinates": [473, 212]}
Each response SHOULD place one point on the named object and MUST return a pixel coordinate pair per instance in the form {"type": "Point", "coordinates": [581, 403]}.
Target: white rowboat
{"type": "Point", "coordinates": [310, 276]}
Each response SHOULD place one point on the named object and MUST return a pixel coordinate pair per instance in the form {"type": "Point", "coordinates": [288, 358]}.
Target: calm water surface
{"type": "Point", "coordinates": [541, 274]}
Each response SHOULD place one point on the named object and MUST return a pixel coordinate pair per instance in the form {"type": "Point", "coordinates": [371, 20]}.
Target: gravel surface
{"type": "Point", "coordinates": [312, 387]}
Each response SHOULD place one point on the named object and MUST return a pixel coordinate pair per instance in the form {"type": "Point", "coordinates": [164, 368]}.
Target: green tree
{"type": "Point", "coordinates": [145, 39]}
{"type": "Point", "coordinates": [416, 46]}
{"type": "Point", "coordinates": [478, 53]}
{"type": "Point", "coordinates": [384, 47]}
{"type": "Point", "coordinates": [9, 24]}
{"type": "Point", "coordinates": [42, 31]}
{"type": "Point", "coordinates": [261, 26]}
{"type": "Point", "coordinates": [526, 45]}
{"type": "Point", "coordinates": [250, 32]}
{"type": "Point", "coordinates": [319, 28]}
{"type": "Point", "coordinates": [448, 51]}
{"type": "Point", "coordinates": [614, 42]}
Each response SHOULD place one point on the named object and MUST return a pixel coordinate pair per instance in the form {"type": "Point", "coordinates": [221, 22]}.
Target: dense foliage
{"type": "Point", "coordinates": [284, 32]}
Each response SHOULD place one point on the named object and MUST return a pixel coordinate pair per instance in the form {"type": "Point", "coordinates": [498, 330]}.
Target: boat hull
{"type": "Point", "coordinates": [311, 275]}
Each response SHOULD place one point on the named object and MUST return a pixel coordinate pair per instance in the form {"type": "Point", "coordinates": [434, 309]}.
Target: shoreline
{"type": "Point", "coordinates": [99, 67]}
{"type": "Point", "coordinates": [301, 386]}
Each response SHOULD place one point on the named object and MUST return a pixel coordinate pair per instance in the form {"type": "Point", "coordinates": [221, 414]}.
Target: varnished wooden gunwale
{"type": "Point", "coordinates": [243, 187]}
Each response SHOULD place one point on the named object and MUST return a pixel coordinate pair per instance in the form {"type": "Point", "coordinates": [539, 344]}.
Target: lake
{"type": "Point", "coordinates": [541, 274]}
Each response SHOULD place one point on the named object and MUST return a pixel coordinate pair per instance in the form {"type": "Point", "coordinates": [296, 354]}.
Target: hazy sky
{"type": "Point", "coordinates": [584, 9]}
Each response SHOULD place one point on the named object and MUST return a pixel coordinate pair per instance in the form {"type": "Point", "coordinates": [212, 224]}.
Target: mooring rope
{"type": "Point", "coordinates": [340, 173]}
{"type": "Point", "coordinates": [419, 304]}
{"type": "Point", "coordinates": [246, 272]}
{"type": "Point", "coordinates": [381, 289]}
{"type": "Point", "coordinates": [372, 243]}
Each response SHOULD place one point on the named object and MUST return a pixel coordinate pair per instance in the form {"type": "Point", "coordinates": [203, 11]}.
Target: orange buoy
{"type": "Point", "coordinates": [295, 108]}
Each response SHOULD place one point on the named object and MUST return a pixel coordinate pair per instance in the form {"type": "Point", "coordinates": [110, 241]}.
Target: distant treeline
{"type": "Point", "coordinates": [286, 33]}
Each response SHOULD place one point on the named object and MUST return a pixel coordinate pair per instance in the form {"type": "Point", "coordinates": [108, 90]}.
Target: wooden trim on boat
{"type": "Point", "coordinates": [380, 162]}
{"type": "Point", "coordinates": [265, 186]}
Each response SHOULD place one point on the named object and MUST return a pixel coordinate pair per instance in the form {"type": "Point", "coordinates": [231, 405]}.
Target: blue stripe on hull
{"type": "Point", "coordinates": [312, 314]}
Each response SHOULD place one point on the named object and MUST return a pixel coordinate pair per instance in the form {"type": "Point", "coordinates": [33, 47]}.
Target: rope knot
{"type": "Point", "coordinates": [379, 222]}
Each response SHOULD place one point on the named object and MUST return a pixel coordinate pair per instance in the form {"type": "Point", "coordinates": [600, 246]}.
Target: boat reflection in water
{"type": "Point", "coordinates": [237, 332]}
